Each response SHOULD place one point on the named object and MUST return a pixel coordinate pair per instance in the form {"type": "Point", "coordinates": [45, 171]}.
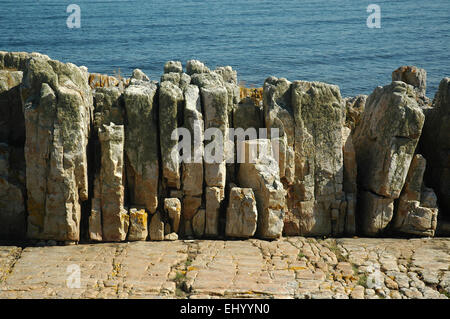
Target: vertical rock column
{"type": "Point", "coordinates": [385, 141]}
{"type": "Point", "coordinates": [192, 177]}
{"type": "Point", "coordinates": [261, 174]}
{"type": "Point", "coordinates": [108, 201]}
{"type": "Point", "coordinates": [215, 101]}
{"type": "Point", "coordinates": [141, 145]}
{"type": "Point", "coordinates": [57, 104]}
{"type": "Point", "coordinates": [170, 105]}
{"type": "Point", "coordinates": [319, 205]}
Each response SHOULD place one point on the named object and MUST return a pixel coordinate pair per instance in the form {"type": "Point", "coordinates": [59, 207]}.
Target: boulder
{"type": "Point", "coordinates": [142, 145]}
{"type": "Point", "coordinates": [173, 66]}
{"type": "Point", "coordinates": [261, 174]}
{"type": "Point", "coordinates": [416, 77]}
{"type": "Point", "coordinates": [139, 75]}
{"type": "Point", "coordinates": [242, 214]}
{"type": "Point", "coordinates": [138, 225]}
{"type": "Point", "coordinates": [195, 66]}
{"type": "Point", "coordinates": [385, 142]}
{"type": "Point", "coordinates": [416, 209]}
{"type": "Point", "coordinates": [58, 105]}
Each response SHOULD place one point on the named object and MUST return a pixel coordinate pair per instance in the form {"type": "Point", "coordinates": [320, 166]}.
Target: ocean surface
{"type": "Point", "coordinates": [314, 40]}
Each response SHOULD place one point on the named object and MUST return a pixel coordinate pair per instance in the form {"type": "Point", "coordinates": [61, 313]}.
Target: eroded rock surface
{"type": "Point", "coordinates": [385, 142]}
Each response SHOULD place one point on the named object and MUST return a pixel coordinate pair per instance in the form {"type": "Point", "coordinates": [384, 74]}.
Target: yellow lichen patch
{"type": "Point", "coordinates": [256, 94]}
{"type": "Point", "coordinates": [139, 217]}
{"type": "Point", "coordinates": [295, 268]}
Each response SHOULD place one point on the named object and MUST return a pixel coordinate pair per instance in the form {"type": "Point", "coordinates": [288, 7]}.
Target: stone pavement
{"type": "Point", "coordinates": [293, 267]}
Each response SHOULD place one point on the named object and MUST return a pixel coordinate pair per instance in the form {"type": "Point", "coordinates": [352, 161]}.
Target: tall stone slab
{"type": "Point", "coordinates": [261, 174]}
{"type": "Point", "coordinates": [319, 204]}
{"type": "Point", "coordinates": [58, 107]}
{"type": "Point", "coordinates": [385, 142]}
{"type": "Point", "coordinates": [142, 144]}
{"type": "Point", "coordinates": [170, 105]}
{"type": "Point", "coordinates": [278, 114]}
{"type": "Point", "coordinates": [115, 219]}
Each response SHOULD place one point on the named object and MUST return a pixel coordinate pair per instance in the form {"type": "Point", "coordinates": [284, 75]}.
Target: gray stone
{"type": "Point", "coordinates": [242, 214]}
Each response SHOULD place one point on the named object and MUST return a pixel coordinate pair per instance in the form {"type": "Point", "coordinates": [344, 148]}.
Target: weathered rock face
{"type": "Point", "coordinates": [141, 145]}
{"type": "Point", "coordinates": [354, 108]}
{"type": "Point", "coordinates": [139, 75]}
{"type": "Point", "coordinates": [262, 176]}
{"type": "Point", "coordinates": [156, 227]}
{"type": "Point", "coordinates": [435, 146]}
{"type": "Point", "coordinates": [414, 76]}
{"type": "Point", "coordinates": [242, 215]}
{"type": "Point", "coordinates": [12, 160]}
{"type": "Point", "coordinates": [215, 106]}
{"type": "Point", "coordinates": [192, 173]}
{"type": "Point", "coordinates": [214, 197]}
{"type": "Point", "coordinates": [195, 66]}
{"type": "Point", "coordinates": [385, 142]}
{"type": "Point", "coordinates": [110, 203]}
{"type": "Point", "coordinates": [57, 107]}
{"type": "Point", "coordinates": [170, 105]}
{"type": "Point", "coordinates": [328, 153]}
{"type": "Point", "coordinates": [278, 114]}
{"type": "Point", "coordinates": [247, 115]}
{"type": "Point", "coordinates": [318, 111]}
{"type": "Point", "coordinates": [172, 206]}
{"type": "Point", "coordinates": [350, 180]}
{"type": "Point", "coordinates": [173, 66]}
{"type": "Point", "coordinates": [416, 210]}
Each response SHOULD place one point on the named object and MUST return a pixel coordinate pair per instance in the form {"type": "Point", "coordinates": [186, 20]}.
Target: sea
{"type": "Point", "coordinates": [313, 40]}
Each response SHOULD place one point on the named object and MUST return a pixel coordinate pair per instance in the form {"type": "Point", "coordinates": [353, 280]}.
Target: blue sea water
{"type": "Point", "coordinates": [322, 40]}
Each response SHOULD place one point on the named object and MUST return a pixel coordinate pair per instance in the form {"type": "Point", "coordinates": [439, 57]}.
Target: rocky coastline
{"type": "Point", "coordinates": [86, 157]}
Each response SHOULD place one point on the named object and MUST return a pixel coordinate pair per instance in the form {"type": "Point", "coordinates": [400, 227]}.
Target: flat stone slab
{"type": "Point", "coordinates": [294, 267]}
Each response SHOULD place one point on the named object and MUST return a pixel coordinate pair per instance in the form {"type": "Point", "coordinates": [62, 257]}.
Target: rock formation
{"type": "Point", "coordinates": [416, 210]}
{"type": "Point", "coordinates": [57, 103]}
{"type": "Point", "coordinates": [385, 142]}
{"type": "Point", "coordinates": [435, 146]}
{"type": "Point", "coordinates": [87, 156]}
